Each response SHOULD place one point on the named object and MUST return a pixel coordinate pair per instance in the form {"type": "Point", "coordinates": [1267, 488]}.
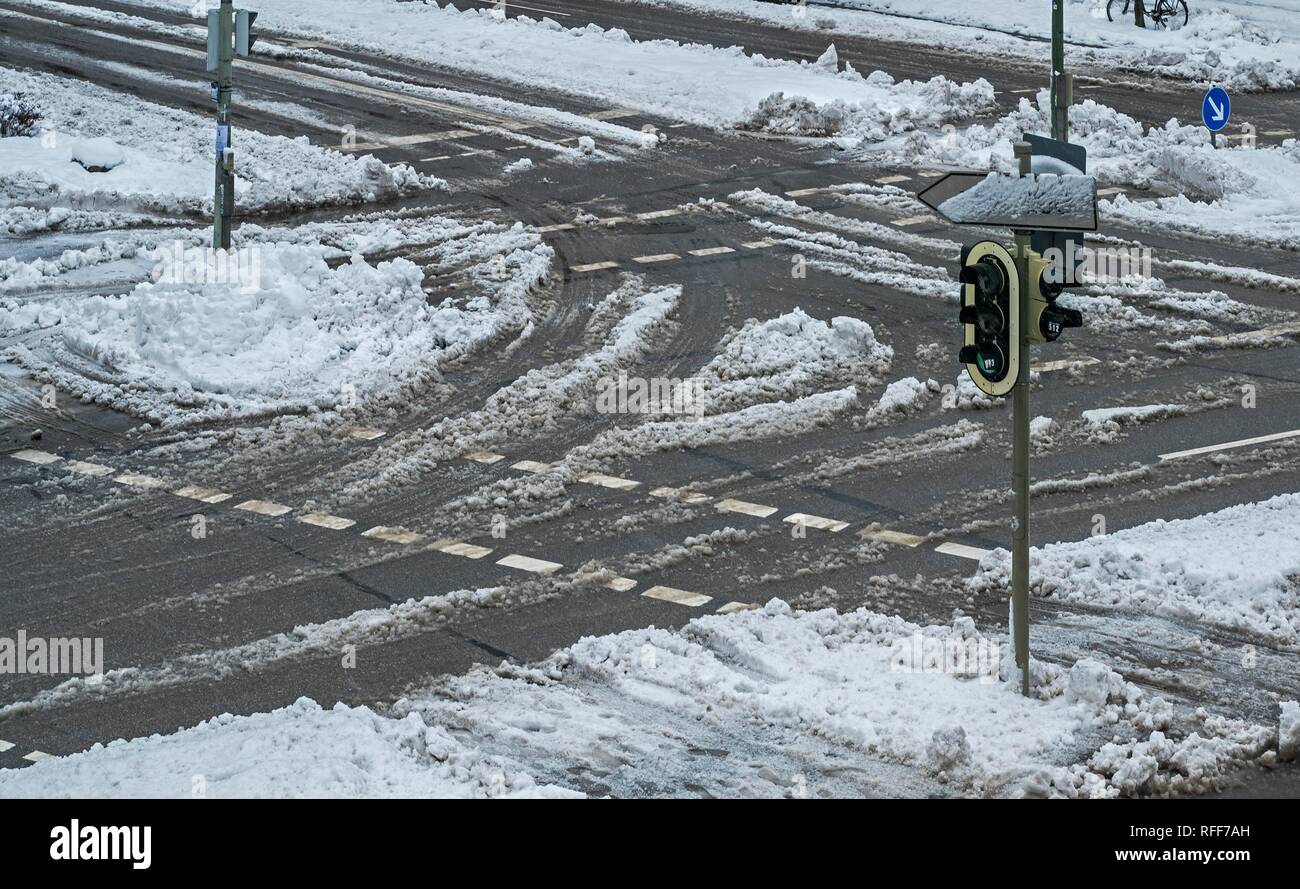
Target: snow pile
{"type": "Point", "coordinates": [1288, 731]}
{"type": "Point", "coordinates": [297, 751]}
{"type": "Point", "coordinates": [160, 158]}
{"type": "Point", "coordinates": [791, 355]}
{"type": "Point", "coordinates": [1235, 568]}
{"type": "Point", "coordinates": [284, 333]}
{"type": "Point", "coordinates": [782, 696]}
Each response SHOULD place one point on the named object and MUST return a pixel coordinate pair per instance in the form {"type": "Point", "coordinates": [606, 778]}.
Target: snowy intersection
{"type": "Point", "coordinates": [380, 470]}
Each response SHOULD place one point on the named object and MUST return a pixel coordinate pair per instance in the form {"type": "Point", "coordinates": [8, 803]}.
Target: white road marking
{"type": "Point", "coordinates": [1273, 330]}
{"type": "Point", "coordinates": [530, 466]}
{"type": "Point", "coordinates": [558, 227]}
{"type": "Point", "coordinates": [1277, 132]}
{"type": "Point", "coordinates": [1064, 364]}
{"type": "Point", "coordinates": [412, 139]}
{"type": "Point", "coordinates": [325, 520]}
{"type": "Point", "coordinates": [733, 607]}
{"type": "Point", "coordinates": [890, 180]}
{"type": "Point", "coordinates": [613, 114]}
{"type": "Point", "coordinates": [40, 458]}
{"type": "Point", "coordinates": [661, 214]}
{"type": "Point", "coordinates": [676, 596]}
{"type": "Point", "coordinates": [758, 245]}
{"type": "Point", "coordinates": [460, 548]}
{"type": "Point", "coordinates": [712, 251]}
{"type": "Point", "coordinates": [367, 434]}
{"type": "Point", "coordinates": [804, 192]}
{"type": "Point", "coordinates": [743, 506]}
{"type": "Point", "coordinates": [135, 480]}
{"type": "Point", "coordinates": [617, 584]}
{"type": "Point", "coordinates": [933, 174]}
{"type": "Point", "coordinates": [528, 563]}
{"type": "Point", "coordinates": [680, 494]}
{"type": "Point", "coordinates": [488, 457]}
{"type": "Point", "coordinates": [37, 756]}
{"type": "Point", "coordinates": [655, 257]}
{"type": "Point", "coordinates": [441, 157]}
{"type": "Point", "coordinates": [815, 521]}
{"type": "Point", "coordinates": [264, 507]}
{"type": "Point", "coordinates": [1106, 192]}
{"type": "Point", "coordinates": [5, 745]}
{"type": "Point", "coordinates": [593, 266]}
{"type": "Point", "coordinates": [915, 220]}
{"type": "Point", "coordinates": [1242, 443]}
{"type": "Point", "coordinates": [92, 469]}
{"type": "Point", "coordinates": [613, 220]}
{"type": "Point", "coordinates": [962, 550]}
{"type": "Point", "coordinates": [610, 481]}
{"type": "Point", "coordinates": [898, 538]}
{"type": "Point", "coordinates": [203, 495]}
{"type": "Point", "coordinates": [393, 534]}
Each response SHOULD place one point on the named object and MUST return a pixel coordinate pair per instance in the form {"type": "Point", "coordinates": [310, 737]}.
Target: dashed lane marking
{"type": "Point", "coordinates": [679, 494]}
{"type": "Point", "coordinates": [1274, 330]}
{"type": "Point", "coordinates": [711, 251]}
{"type": "Point", "coordinates": [528, 563]}
{"type": "Point", "coordinates": [733, 607]}
{"type": "Point", "coordinates": [932, 174]}
{"type": "Point", "coordinates": [804, 192]}
{"type": "Point", "coordinates": [890, 180]}
{"type": "Point", "coordinates": [392, 534]}
{"type": "Point", "coordinates": [136, 480]}
{"type": "Point", "coordinates": [617, 584]}
{"type": "Point", "coordinates": [441, 157]}
{"type": "Point", "coordinates": [5, 746]}
{"type": "Point", "coordinates": [758, 245]}
{"type": "Point", "coordinates": [1064, 364]}
{"type": "Point", "coordinates": [37, 756]}
{"type": "Point", "coordinates": [660, 214]}
{"type": "Point", "coordinates": [365, 433]}
{"type": "Point", "coordinates": [915, 220]}
{"type": "Point", "coordinates": [593, 266]}
{"type": "Point", "coordinates": [961, 550]}
{"type": "Point", "coordinates": [1106, 192]}
{"type": "Point", "coordinates": [460, 548]}
{"type": "Point", "coordinates": [610, 481]}
{"type": "Point", "coordinates": [412, 139]}
{"type": "Point", "coordinates": [203, 495]}
{"type": "Point", "coordinates": [264, 507]}
{"type": "Point", "coordinates": [40, 458]}
{"type": "Point", "coordinates": [488, 457]}
{"type": "Point", "coordinates": [656, 257]}
{"type": "Point", "coordinates": [745, 507]}
{"type": "Point", "coordinates": [676, 596]}
{"type": "Point", "coordinates": [530, 466]}
{"type": "Point", "coordinates": [898, 538]}
{"type": "Point", "coordinates": [1229, 445]}
{"type": "Point", "coordinates": [558, 227]}
{"type": "Point", "coordinates": [94, 470]}
{"type": "Point", "coordinates": [1278, 133]}
{"type": "Point", "coordinates": [325, 520]}
{"type": "Point", "coordinates": [613, 114]}
{"type": "Point", "coordinates": [815, 521]}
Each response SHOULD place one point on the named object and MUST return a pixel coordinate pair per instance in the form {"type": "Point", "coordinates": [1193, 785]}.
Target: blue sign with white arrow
{"type": "Point", "coordinates": [1216, 108]}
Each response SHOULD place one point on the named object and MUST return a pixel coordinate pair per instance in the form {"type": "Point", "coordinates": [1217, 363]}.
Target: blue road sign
{"type": "Point", "coordinates": [1216, 108]}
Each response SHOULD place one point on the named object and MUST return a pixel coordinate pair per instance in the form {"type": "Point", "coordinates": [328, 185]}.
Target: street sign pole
{"type": "Point", "coordinates": [1020, 456]}
{"type": "Point", "coordinates": [221, 30]}
{"type": "Point", "coordinates": [1061, 86]}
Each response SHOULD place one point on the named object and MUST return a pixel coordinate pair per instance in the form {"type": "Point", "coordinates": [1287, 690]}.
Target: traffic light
{"type": "Point", "coordinates": [244, 36]}
{"type": "Point", "coordinates": [990, 317]}
{"type": "Point", "coordinates": [1046, 319]}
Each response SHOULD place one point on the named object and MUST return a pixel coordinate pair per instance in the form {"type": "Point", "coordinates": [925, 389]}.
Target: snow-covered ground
{"type": "Point", "coordinates": [795, 704]}
{"type": "Point", "coordinates": [1245, 44]}
{"type": "Point", "coordinates": [723, 88]}
{"type": "Point", "coordinates": [164, 158]}
{"type": "Point", "coordinates": [1235, 568]}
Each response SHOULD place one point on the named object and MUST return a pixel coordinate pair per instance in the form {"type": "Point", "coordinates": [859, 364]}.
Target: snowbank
{"type": "Point", "coordinates": [1234, 568]}
{"type": "Point", "coordinates": [782, 697]}
{"type": "Point", "coordinates": [161, 158]}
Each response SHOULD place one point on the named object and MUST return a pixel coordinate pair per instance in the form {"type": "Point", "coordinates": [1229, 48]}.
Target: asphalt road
{"type": "Point", "coordinates": [202, 619]}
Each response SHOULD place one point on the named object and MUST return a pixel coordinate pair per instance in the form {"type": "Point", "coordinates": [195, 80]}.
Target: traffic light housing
{"type": "Point", "coordinates": [244, 36]}
{"type": "Point", "coordinates": [990, 317]}
{"type": "Point", "coordinates": [1047, 320]}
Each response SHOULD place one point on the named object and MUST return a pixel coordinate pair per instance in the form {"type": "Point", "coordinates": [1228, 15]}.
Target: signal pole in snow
{"type": "Point", "coordinates": [229, 32]}
{"type": "Point", "coordinates": [1062, 83]}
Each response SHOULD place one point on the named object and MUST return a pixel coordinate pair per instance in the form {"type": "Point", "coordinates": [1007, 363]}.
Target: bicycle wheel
{"type": "Point", "coordinates": [1175, 15]}
{"type": "Point", "coordinates": [1114, 10]}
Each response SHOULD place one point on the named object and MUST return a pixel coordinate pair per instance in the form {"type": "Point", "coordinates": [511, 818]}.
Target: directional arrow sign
{"type": "Point", "coordinates": [1040, 201]}
{"type": "Point", "coordinates": [1216, 108]}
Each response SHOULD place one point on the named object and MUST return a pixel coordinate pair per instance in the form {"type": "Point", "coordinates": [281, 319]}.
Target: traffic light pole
{"type": "Point", "coordinates": [1020, 457]}
{"type": "Point", "coordinates": [1062, 83]}
{"type": "Point", "coordinates": [223, 200]}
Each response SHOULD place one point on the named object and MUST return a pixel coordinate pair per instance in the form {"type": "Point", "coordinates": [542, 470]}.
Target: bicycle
{"type": "Point", "coordinates": [1161, 14]}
